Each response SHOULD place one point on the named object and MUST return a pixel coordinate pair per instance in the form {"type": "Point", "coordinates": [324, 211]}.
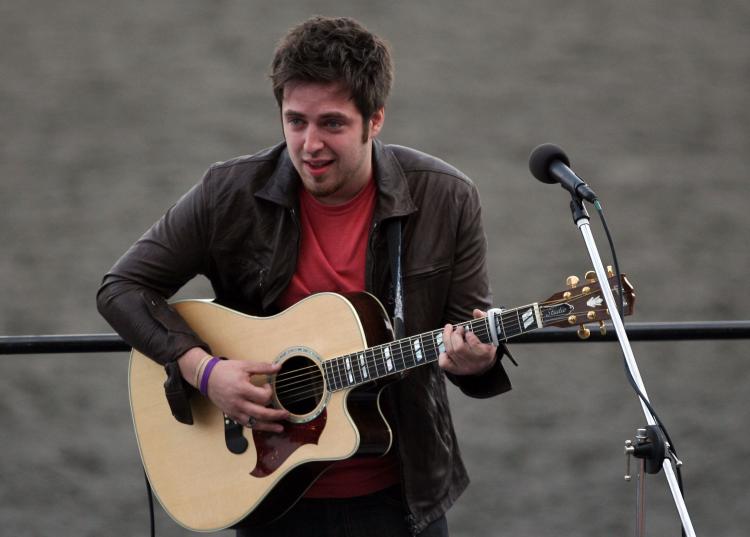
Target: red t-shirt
{"type": "Point", "coordinates": [333, 249]}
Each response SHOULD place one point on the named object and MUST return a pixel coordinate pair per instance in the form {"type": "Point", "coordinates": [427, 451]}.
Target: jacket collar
{"type": "Point", "coordinates": [394, 198]}
{"type": "Point", "coordinates": [281, 187]}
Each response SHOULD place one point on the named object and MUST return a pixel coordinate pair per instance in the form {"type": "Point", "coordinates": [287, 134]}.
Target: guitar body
{"type": "Point", "coordinates": [206, 486]}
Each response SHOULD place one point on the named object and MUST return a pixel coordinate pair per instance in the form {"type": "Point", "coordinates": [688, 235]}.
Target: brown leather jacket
{"type": "Point", "coordinates": [239, 227]}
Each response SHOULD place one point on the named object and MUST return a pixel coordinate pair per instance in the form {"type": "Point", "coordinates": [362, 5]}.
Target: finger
{"type": "Point", "coordinates": [474, 343]}
{"type": "Point", "coordinates": [263, 413]}
{"type": "Point", "coordinates": [445, 363]}
{"type": "Point", "coordinates": [261, 368]}
{"type": "Point", "coordinates": [457, 342]}
{"type": "Point", "coordinates": [262, 394]}
{"type": "Point", "coordinates": [268, 427]}
{"type": "Point", "coordinates": [478, 314]}
{"type": "Point", "coordinates": [259, 425]}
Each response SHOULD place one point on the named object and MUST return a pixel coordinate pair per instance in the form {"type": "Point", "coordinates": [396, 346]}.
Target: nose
{"type": "Point", "coordinates": [313, 141]}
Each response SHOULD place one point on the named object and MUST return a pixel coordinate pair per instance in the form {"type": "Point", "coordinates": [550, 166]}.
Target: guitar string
{"type": "Point", "coordinates": [355, 366]}
{"type": "Point", "coordinates": [507, 322]}
{"type": "Point", "coordinates": [354, 375]}
{"type": "Point", "coordinates": [316, 389]}
{"type": "Point", "coordinates": [409, 356]}
{"type": "Point", "coordinates": [307, 390]}
{"type": "Point", "coordinates": [354, 356]}
{"type": "Point", "coordinates": [480, 330]}
{"type": "Point", "coordinates": [399, 354]}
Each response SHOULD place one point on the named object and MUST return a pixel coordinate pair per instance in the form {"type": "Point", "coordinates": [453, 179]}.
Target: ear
{"type": "Point", "coordinates": [376, 122]}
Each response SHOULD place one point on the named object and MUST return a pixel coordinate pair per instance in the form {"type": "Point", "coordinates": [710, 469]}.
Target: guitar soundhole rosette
{"type": "Point", "coordinates": [300, 385]}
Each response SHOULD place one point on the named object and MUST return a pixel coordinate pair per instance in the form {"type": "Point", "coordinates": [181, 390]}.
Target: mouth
{"type": "Point", "coordinates": [317, 167]}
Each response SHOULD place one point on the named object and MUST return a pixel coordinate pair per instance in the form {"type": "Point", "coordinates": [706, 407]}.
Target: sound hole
{"type": "Point", "coordinates": [299, 385]}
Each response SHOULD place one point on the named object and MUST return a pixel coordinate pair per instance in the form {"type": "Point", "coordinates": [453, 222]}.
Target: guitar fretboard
{"type": "Point", "coordinates": [390, 358]}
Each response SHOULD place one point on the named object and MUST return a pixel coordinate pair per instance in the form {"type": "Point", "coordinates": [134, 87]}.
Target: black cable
{"type": "Point", "coordinates": [629, 375]}
{"type": "Point", "coordinates": [150, 504]}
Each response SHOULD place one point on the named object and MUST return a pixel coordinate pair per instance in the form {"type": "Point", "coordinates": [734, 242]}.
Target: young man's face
{"type": "Point", "coordinates": [324, 133]}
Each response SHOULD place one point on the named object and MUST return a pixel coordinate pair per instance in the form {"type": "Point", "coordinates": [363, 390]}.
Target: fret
{"type": "Point", "coordinates": [513, 327]}
{"type": "Point", "coordinates": [501, 332]}
{"type": "Point", "coordinates": [397, 358]}
{"type": "Point", "coordinates": [327, 375]}
{"type": "Point", "coordinates": [388, 360]}
{"type": "Point", "coordinates": [332, 376]}
{"type": "Point", "coordinates": [379, 361]}
{"type": "Point", "coordinates": [407, 353]}
{"type": "Point", "coordinates": [410, 355]}
{"type": "Point", "coordinates": [363, 366]}
{"type": "Point", "coordinates": [356, 373]}
{"type": "Point", "coordinates": [341, 372]}
{"type": "Point", "coordinates": [529, 321]}
{"type": "Point", "coordinates": [479, 328]}
{"type": "Point", "coordinates": [351, 377]}
{"type": "Point", "coordinates": [359, 373]}
{"type": "Point", "coordinates": [439, 344]}
{"type": "Point", "coordinates": [430, 347]}
{"type": "Point", "coordinates": [484, 323]}
{"type": "Point", "coordinates": [526, 319]}
{"type": "Point", "coordinates": [401, 354]}
{"type": "Point", "coordinates": [372, 363]}
{"type": "Point", "coordinates": [416, 344]}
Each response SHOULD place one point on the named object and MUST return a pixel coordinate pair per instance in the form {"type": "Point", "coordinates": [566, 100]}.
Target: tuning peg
{"type": "Point", "coordinates": [591, 315]}
{"type": "Point", "coordinates": [590, 276]}
{"type": "Point", "coordinates": [584, 332]}
{"type": "Point", "coordinates": [572, 319]}
{"type": "Point", "coordinates": [570, 281]}
{"type": "Point", "coordinates": [610, 271]}
{"type": "Point", "coordinates": [602, 328]}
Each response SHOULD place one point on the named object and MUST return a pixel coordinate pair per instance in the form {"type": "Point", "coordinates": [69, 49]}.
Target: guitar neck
{"type": "Point", "coordinates": [373, 363]}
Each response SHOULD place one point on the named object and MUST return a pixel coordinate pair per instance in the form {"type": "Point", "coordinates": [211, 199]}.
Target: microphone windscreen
{"type": "Point", "coordinates": [541, 159]}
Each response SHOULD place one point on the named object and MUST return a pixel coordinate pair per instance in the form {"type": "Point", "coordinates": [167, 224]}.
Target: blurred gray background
{"type": "Point", "coordinates": [111, 110]}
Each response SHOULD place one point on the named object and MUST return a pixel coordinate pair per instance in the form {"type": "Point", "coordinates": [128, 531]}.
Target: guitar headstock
{"type": "Point", "coordinates": [584, 303]}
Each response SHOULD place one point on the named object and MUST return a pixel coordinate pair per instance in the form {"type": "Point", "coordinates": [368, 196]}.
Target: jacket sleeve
{"type": "Point", "coordinates": [132, 296]}
{"type": "Point", "coordinates": [470, 289]}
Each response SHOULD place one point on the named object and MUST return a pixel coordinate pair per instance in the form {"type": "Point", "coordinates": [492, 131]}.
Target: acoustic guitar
{"type": "Point", "coordinates": [337, 354]}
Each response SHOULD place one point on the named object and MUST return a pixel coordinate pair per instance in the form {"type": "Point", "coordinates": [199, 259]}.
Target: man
{"type": "Point", "coordinates": [312, 214]}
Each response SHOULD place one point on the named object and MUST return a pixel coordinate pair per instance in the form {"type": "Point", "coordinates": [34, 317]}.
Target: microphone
{"type": "Point", "coordinates": [550, 164]}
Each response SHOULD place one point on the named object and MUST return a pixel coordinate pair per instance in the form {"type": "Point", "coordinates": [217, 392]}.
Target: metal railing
{"type": "Point", "coordinates": [655, 331]}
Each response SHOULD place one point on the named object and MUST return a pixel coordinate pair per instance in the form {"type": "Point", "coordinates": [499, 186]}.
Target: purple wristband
{"type": "Point", "coordinates": [207, 373]}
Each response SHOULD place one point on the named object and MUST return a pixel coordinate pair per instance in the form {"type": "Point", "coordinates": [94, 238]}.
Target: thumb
{"type": "Point", "coordinates": [478, 314]}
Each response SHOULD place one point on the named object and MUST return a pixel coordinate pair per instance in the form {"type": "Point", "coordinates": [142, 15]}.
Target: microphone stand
{"type": "Point", "coordinates": [650, 436]}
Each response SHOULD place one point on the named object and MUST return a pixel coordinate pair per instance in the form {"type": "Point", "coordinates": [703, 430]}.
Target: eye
{"type": "Point", "coordinates": [334, 124]}
{"type": "Point", "coordinates": [295, 122]}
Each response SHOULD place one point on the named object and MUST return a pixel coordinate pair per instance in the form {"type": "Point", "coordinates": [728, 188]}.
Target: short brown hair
{"type": "Point", "coordinates": [340, 50]}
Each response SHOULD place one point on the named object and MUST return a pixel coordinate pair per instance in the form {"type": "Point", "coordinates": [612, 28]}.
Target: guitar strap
{"type": "Point", "coordinates": [393, 232]}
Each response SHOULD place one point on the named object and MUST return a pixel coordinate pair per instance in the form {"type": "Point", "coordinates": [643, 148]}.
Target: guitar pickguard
{"type": "Point", "coordinates": [275, 448]}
